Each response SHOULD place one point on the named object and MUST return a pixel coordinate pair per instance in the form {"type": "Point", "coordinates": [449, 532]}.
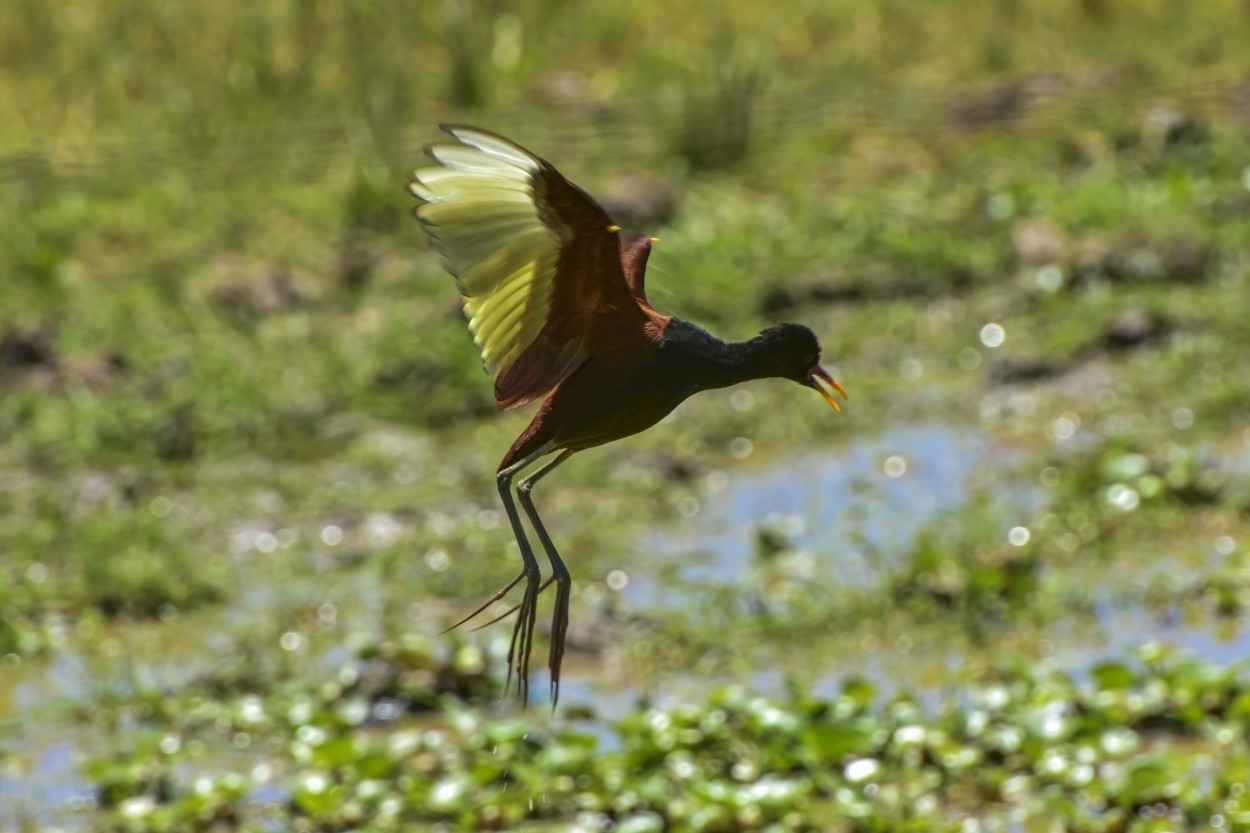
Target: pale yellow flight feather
{"type": "Point", "coordinates": [481, 209]}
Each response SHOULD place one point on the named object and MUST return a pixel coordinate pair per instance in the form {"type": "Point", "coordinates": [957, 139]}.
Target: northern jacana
{"type": "Point", "coordinates": [555, 299]}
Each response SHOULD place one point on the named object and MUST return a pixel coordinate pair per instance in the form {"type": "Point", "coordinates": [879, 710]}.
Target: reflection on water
{"type": "Point", "coordinates": [869, 496]}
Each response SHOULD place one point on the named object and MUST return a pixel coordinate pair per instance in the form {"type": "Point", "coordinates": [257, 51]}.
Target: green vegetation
{"type": "Point", "coordinates": [246, 449]}
{"type": "Point", "coordinates": [1030, 739]}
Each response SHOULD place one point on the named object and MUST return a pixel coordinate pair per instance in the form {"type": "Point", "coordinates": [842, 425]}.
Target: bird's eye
{"type": "Point", "coordinates": [811, 358]}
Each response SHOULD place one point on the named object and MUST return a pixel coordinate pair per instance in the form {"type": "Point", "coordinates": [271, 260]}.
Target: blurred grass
{"type": "Point", "coordinates": [78, 70]}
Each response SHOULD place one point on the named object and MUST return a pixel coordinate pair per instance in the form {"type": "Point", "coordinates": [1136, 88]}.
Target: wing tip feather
{"type": "Point", "coordinates": [516, 341]}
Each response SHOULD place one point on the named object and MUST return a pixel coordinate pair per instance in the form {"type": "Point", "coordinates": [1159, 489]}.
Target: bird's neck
{"type": "Point", "coordinates": [740, 361]}
{"type": "Point", "coordinates": [707, 362]}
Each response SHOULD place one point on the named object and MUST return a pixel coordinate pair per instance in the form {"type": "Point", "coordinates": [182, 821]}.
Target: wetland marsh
{"type": "Point", "coordinates": [247, 451]}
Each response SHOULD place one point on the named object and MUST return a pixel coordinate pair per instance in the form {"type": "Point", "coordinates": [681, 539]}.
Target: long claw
{"type": "Point", "coordinates": [503, 591]}
{"type": "Point", "coordinates": [530, 613]}
{"type": "Point", "coordinates": [510, 610]}
{"type": "Point", "coordinates": [523, 641]}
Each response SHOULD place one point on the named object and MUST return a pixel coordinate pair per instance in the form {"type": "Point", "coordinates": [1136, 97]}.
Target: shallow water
{"type": "Point", "coordinates": [858, 509]}
{"type": "Point", "coordinates": [847, 503]}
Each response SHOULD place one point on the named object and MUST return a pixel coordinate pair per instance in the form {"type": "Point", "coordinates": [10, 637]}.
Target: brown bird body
{"type": "Point", "coordinates": [557, 303]}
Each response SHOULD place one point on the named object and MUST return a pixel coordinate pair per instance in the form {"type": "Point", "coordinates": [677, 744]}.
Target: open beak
{"type": "Point", "coordinates": [819, 379]}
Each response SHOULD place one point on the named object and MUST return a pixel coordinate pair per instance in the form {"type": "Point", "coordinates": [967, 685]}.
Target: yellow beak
{"type": "Point", "coordinates": [818, 378]}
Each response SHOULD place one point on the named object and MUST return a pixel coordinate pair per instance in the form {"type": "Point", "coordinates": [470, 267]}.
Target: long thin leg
{"type": "Point", "coordinates": [559, 574]}
{"type": "Point", "coordinates": [523, 633]}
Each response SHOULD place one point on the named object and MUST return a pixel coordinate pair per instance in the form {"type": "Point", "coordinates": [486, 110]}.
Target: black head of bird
{"type": "Point", "coordinates": [792, 352]}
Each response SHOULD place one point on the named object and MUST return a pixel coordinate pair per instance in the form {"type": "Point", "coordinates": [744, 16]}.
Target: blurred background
{"type": "Point", "coordinates": [247, 448]}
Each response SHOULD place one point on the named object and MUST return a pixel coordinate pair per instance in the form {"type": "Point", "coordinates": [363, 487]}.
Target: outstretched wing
{"type": "Point", "coordinates": [537, 260]}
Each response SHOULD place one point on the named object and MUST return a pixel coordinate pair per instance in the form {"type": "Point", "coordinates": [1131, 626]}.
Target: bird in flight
{"type": "Point", "coordinates": [554, 294]}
